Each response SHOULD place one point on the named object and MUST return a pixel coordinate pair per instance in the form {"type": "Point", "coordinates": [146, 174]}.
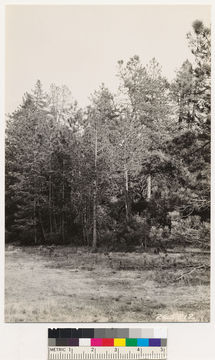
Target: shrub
{"type": "Point", "coordinates": [191, 231]}
{"type": "Point", "coordinates": [159, 236]}
{"type": "Point", "coordinates": [133, 233]}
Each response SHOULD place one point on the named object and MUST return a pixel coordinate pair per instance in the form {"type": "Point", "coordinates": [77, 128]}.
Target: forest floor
{"type": "Point", "coordinates": [66, 284]}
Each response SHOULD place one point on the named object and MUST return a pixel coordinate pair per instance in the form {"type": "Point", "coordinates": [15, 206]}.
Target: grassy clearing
{"type": "Point", "coordinates": [65, 284]}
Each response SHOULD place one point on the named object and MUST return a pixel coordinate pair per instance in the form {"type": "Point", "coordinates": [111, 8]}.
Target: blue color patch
{"type": "Point", "coordinates": [142, 342]}
{"type": "Point", "coordinates": [154, 342]}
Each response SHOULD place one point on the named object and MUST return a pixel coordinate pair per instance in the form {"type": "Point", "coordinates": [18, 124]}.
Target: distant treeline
{"type": "Point", "coordinates": [131, 169]}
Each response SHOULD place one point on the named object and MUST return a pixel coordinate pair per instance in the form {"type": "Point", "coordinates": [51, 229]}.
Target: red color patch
{"type": "Point", "coordinates": [107, 342]}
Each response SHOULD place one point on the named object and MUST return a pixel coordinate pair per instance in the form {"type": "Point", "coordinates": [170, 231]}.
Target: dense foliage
{"type": "Point", "coordinates": [132, 169]}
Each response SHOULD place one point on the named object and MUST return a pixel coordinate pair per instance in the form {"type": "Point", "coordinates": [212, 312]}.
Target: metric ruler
{"type": "Point", "coordinates": [105, 353]}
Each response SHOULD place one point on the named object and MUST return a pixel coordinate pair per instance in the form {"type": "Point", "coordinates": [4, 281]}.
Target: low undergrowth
{"type": "Point", "coordinates": [67, 284]}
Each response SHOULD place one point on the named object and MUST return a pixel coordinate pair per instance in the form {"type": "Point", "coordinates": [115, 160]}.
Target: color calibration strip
{"type": "Point", "coordinates": [107, 336]}
{"type": "Point", "coordinates": [107, 344]}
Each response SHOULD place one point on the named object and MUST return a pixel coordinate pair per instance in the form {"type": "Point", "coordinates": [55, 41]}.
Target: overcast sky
{"type": "Point", "coordinates": [79, 46]}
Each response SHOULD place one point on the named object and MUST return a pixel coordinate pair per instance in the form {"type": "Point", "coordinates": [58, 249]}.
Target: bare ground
{"type": "Point", "coordinates": [65, 284]}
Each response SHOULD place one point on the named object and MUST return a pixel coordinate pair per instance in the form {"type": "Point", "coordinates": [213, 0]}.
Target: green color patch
{"type": "Point", "coordinates": [131, 342]}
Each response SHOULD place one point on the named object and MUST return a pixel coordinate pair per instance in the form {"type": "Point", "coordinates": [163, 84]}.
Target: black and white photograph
{"type": "Point", "coordinates": [107, 163]}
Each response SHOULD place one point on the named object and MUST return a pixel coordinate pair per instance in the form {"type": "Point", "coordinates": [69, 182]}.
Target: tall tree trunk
{"type": "Point", "coordinates": [63, 200]}
{"type": "Point", "coordinates": [87, 222]}
{"type": "Point", "coordinates": [149, 187]}
{"type": "Point", "coordinates": [55, 224]}
{"type": "Point", "coordinates": [95, 195]}
{"type": "Point", "coordinates": [34, 206]}
{"type": "Point", "coordinates": [42, 228]}
{"type": "Point", "coordinates": [84, 216]}
{"type": "Point", "coordinates": [50, 204]}
{"type": "Point", "coordinates": [84, 233]}
{"type": "Point", "coordinates": [35, 220]}
{"type": "Point", "coordinates": [126, 195]}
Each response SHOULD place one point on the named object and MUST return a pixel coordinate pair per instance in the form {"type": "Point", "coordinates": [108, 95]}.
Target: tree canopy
{"type": "Point", "coordinates": [131, 169]}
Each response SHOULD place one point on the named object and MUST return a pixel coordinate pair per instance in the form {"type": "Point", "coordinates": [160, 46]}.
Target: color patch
{"type": "Point", "coordinates": [142, 342]}
{"type": "Point", "coordinates": [88, 333]}
{"type": "Point", "coordinates": [131, 342]}
{"type": "Point", "coordinates": [99, 333]}
{"type": "Point", "coordinates": [53, 333]}
{"type": "Point", "coordinates": [110, 333]}
{"type": "Point", "coordinates": [159, 333]}
{"type": "Point", "coordinates": [65, 333]}
{"type": "Point", "coordinates": [73, 342]}
{"type": "Point", "coordinates": [135, 333]}
{"type": "Point", "coordinates": [51, 342]}
{"type": "Point", "coordinates": [84, 342]}
{"type": "Point", "coordinates": [122, 333]}
{"type": "Point", "coordinates": [62, 342]}
{"type": "Point", "coordinates": [96, 342]}
{"type": "Point", "coordinates": [76, 333]}
{"type": "Point", "coordinates": [107, 342]}
{"type": "Point", "coordinates": [119, 342]}
{"type": "Point", "coordinates": [154, 342]}
{"type": "Point", "coordinates": [147, 333]}
{"type": "Point", "coordinates": [163, 342]}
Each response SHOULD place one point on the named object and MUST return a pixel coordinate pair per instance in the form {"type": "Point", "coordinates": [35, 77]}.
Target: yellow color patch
{"type": "Point", "coordinates": [119, 342]}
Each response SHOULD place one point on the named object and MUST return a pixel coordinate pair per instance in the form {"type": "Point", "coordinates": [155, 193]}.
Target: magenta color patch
{"type": "Point", "coordinates": [96, 342]}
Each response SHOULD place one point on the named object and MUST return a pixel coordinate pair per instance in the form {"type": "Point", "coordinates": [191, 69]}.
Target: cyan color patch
{"type": "Point", "coordinates": [142, 342]}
